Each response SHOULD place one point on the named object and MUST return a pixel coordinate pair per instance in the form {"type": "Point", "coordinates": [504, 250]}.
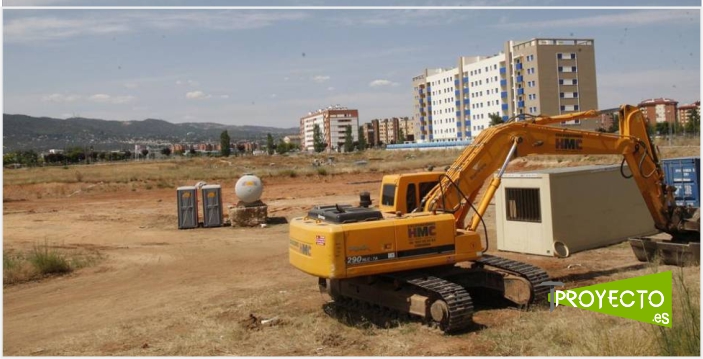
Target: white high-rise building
{"type": "Point", "coordinates": [538, 76]}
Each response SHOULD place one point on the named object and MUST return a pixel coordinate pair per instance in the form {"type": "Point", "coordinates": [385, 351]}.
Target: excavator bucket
{"type": "Point", "coordinates": [666, 252]}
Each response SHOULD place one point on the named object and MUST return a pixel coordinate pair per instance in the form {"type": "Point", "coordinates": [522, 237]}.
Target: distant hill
{"type": "Point", "coordinates": [21, 132]}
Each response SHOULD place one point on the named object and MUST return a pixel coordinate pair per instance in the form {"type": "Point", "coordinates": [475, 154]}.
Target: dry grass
{"type": "Point", "coordinates": [44, 260]}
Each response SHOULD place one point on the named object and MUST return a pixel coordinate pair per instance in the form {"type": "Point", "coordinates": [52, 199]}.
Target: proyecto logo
{"type": "Point", "coordinates": [646, 299]}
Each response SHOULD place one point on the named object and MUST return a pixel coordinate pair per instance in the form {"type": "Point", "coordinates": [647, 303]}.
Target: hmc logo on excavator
{"type": "Point", "coordinates": [568, 142]}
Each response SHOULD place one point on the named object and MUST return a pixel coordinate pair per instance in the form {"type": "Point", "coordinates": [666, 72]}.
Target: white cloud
{"type": "Point", "coordinates": [632, 87]}
{"type": "Point", "coordinates": [116, 100]}
{"type": "Point", "coordinates": [57, 97]}
{"type": "Point", "coordinates": [187, 82]}
{"type": "Point", "coordinates": [274, 95]}
{"type": "Point", "coordinates": [379, 83]}
{"type": "Point", "coordinates": [47, 28]}
{"type": "Point", "coordinates": [197, 95]}
{"type": "Point", "coordinates": [330, 88]}
{"type": "Point", "coordinates": [320, 79]}
{"type": "Point", "coordinates": [621, 19]}
{"type": "Point", "coordinates": [53, 28]}
{"type": "Point", "coordinates": [402, 17]}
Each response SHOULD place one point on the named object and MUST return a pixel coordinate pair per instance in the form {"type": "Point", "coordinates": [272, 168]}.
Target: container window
{"type": "Point", "coordinates": [523, 205]}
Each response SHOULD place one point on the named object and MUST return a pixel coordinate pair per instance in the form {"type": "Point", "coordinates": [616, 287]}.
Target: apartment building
{"type": "Point", "coordinates": [333, 122]}
{"type": "Point", "coordinates": [540, 76]}
{"type": "Point", "coordinates": [659, 109]}
{"type": "Point", "coordinates": [685, 111]}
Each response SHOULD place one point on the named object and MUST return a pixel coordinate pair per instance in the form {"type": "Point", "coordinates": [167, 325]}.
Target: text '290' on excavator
{"type": "Point", "coordinates": [414, 256]}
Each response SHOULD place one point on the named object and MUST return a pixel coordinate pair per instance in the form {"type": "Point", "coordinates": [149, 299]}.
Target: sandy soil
{"type": "Point", "coordinates": [164, 291]}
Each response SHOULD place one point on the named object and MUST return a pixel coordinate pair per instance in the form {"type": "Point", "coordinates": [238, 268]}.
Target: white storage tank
{"type": "Point", "coordinates": [557, 212]}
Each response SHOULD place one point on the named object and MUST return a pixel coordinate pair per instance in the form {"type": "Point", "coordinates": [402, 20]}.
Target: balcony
{"type": "Point", "coordinates": [467, 112]}
{"type": "Point", "coordinates": [429, 99]}
{"type": "Point", "coordinates": [467, 123]}
{"type": "Point", "coordinates": [503, 82]}
{"type": "Point", "coordinates": [429, 109]}
{"type": "Point", "coordinates": [504, 106]}
{"type": "Point", "coordinates": [521, 104]}
{"type": "Point", "coordinates": [457, 103]}
{"type": "Point", "coordinates": [518, 66]}
{"type": "Point", "coordinates": [518, 79]}
{"type": "Point", "coordinates": [456, 93]}
{"type": "Point", "coordinates": [504, 94]}
{"type": "Point", "coordinates": [420, 92]}
{"type": "Point", "coordinates": [458, 114]}
{"type": "Point", "coordinates": [456, 82]}
{"type": "Point", "coordinates": [466, 101]}
{"type": "Point", "coordinates": [458, 123]}
{"type": "Point", "coordinates": [458, 135]}
{"type": "Point", "coordinates": [502, 70]}
{"type": "Point", "coordinates": [521, 91]}
{"type": "Point", "coordinates": [466, 80]}
{"type": "Point", "coordinates": [505, 118]}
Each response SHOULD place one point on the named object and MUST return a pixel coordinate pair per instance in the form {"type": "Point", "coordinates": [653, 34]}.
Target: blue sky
{"type": "Point", "coordinates": [270, 67]}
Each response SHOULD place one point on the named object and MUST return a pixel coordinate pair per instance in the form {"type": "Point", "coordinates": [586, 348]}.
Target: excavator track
{"type": "Point", "coordinates": [533, 274]}
{"type": "Point", "coordinates": [459, 305]}
{"type": "Point", "coordinates": [446, 305]}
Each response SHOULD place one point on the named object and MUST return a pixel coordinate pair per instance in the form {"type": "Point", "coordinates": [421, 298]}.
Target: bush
{"type": "Point", "coordinates": [48, 261]}
{"type": "Point", "coordinates": [322, 171]}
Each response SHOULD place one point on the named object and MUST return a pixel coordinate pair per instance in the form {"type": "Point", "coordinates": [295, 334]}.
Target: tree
{"type": "Point", "coordinates": [694, 121]}
{"type": "Point", "coordinates": [166, 151]}
{"type": "Point", "coordinates": [662, 128]}
{"type": "Point", "coordinates": [615, 126]}
{"type": "Point", "coordinates": [362, 139]}
{"type": "Point", "coordinates": [145, 152]}
{"type": "Point", "coordinates": [348, 139]}
{"type": "Point", "coordinates": [192, 152]}
{"type": "Point", "coordinates": [401, 136]}
{"type": "Point", "coordinates": [224, 144]}
{"type": "Point", "coordinates": [495, 119]}
{"type": "Point", "coordinates": [317, 143]}
{"type": "Point", "coordinates": [282, 147]}
{"type": "Point", "coordinates": [269, 144]}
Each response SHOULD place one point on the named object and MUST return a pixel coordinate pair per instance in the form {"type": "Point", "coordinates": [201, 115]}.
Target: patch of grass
{"type": "Point", "coordinates": [288, 173]}
{"type": "Point", "coordinates": [42, 261]}
{"type": "Point", "coordinates": [79, 176]}
{"type": "Point", "coordinates": [684, 336]}
{"type": "Point", "coordinates": [48, 261]}
{"type": "Point", "coordinates": [322, 172]}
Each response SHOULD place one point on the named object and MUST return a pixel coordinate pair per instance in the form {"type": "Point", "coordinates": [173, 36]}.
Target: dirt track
{"type": "Point", "coordinates": [164, 291]}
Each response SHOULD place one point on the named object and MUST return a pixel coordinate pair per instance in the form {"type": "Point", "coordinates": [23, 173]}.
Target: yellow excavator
{"type": "Point", "coordinates": [414, 256]}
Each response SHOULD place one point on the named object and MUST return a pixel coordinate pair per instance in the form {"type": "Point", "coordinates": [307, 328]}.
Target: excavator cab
{"type": "Point", "coordinates": [404, 192]}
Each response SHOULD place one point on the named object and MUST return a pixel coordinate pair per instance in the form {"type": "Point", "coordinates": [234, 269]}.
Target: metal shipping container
{"type": "Point", "coordinates": [212, 205]}
{"type": "Point", "coordinates": [684, 174]}
{"type": "Point", "coordinates": [187, 197]}
{"type": "Point", "coordinates": [565, 210]}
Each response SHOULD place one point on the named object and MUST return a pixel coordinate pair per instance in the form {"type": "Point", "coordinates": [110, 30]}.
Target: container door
{"type": "Point", "coordinates": [523, 230]}
{"type": "Point", "coordinates": [187, 209]}
{"type": "Point", "coordinates": [212, 208]}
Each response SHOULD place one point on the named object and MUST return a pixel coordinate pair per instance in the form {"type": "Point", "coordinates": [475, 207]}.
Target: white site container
{"type": "Point", "coordinates": [566, 210]}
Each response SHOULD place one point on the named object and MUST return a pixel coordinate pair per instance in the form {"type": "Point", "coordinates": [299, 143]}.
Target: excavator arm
{"type": "Point", "coordinates": [496, 146]}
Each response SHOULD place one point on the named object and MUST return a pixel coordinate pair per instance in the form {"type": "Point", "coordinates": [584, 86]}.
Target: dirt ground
{"type": "Point", "coordinates": [163, 291]}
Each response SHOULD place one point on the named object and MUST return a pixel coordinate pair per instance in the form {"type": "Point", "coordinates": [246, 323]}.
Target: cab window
{"type": "Point", "coordinates": [388, 195]}
{"type": "Point", "coordinates": [411, 198]}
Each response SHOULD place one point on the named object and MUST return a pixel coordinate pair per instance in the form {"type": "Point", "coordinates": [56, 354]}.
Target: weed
{"type": "Point", "coordinates": [164, 184]}
{"type": "Point", "coordinates": [322, 172]}
{"type": "Point", "coordinates": [79, 176]}
{"type": "Point", "coordinates": [288, 173]}
{"type": "Point", "coordinates": [149, 186]}
{"type": "Point", "coordinates": [48, 261]}
{"type": "Point", "coordinates": [684, 336]}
